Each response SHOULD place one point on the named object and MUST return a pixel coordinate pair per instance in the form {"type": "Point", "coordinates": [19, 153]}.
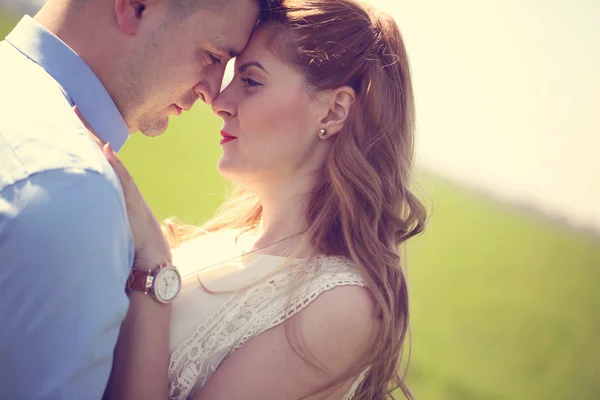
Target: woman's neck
{"type": "Point", "coordinates": [283, 219]}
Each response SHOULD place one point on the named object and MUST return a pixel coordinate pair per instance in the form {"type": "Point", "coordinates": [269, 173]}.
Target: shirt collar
{"type": "Point", "coordinates": [81, 85]}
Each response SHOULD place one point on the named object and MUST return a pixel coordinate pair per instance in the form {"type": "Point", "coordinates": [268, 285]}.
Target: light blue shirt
{"type": "Point", "coordinates": [66, 247]}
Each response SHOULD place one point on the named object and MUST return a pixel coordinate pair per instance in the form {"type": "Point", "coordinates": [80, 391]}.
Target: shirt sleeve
{"type": "Point", "coordinates": [66, 251]}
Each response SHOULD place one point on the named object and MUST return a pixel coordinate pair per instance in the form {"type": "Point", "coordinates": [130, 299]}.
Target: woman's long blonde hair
{"type": "Point", "coordinates": [361, 207]}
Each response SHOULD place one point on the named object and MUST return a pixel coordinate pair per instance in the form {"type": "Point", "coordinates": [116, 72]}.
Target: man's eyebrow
{"type": "Point", "coordinates": [232, 52]}
{"type": "Point", "coordinates": [242, 68]}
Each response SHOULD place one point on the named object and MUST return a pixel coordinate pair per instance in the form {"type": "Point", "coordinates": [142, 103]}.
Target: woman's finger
{"type": "Point", "coordinates": [99, 141]}
{"type": "Point", "coordinates": [82, 118]}
{"type": "Point", "coordinates": [124, 176]}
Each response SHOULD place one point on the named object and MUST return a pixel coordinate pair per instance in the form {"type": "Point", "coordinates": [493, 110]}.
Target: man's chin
{"type": "Point", "coordinates": [154, 128]}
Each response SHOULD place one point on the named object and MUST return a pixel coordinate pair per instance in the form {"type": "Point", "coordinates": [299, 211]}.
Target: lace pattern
{"type": "Point", "coordinates": [246, 314]}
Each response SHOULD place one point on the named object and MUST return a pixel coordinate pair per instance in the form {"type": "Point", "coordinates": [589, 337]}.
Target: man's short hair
{"type": "Point", "coordinates": [180, 9]}
{"type": "Point", "coordinates": [188, 7]}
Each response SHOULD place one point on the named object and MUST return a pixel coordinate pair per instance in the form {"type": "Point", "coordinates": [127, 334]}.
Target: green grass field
{"type": "Point", "coordinates": [504, 303]}
{"type": "Point", "coordinates": [504, 306]}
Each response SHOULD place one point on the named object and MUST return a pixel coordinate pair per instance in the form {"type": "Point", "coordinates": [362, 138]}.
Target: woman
{"type": "Point", "coordinates": [294, 290]}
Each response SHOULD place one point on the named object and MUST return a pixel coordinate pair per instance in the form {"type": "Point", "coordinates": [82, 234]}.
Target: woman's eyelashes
{"type": "Point", "coordinates": [251, 82]}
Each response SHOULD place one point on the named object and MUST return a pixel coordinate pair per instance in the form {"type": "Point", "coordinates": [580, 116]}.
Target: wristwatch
{"type": "Point", "coordinates": [163, 283]}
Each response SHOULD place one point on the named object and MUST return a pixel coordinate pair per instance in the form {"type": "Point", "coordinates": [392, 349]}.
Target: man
{"type": "Point", "coordinates": [66, 248]}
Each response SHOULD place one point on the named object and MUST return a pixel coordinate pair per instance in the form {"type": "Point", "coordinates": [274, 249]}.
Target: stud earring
{"type": "Point", "coordinates": [323, 132]}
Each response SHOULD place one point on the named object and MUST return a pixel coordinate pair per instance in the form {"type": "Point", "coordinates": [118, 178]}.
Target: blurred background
{"type": "Point", "coordinates": [505, 303]}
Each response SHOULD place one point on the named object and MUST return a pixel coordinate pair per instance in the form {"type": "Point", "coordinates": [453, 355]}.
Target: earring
{"type": "Point", "coordinates": [323, 132]}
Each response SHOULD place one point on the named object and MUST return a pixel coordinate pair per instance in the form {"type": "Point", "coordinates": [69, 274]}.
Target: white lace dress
{"type": "Point", "coordinates": [207, 327]}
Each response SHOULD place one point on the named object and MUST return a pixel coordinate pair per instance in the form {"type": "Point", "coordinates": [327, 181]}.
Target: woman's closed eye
{"type": "Point", "coordinates": [251, 82]}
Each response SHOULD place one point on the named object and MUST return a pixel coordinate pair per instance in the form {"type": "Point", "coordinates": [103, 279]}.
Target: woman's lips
{"type": "Point", "coordinates": [227, 137]}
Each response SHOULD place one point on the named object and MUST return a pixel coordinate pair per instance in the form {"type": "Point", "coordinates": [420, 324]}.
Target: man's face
{"type": "Point", "coordinates": [175, 61]}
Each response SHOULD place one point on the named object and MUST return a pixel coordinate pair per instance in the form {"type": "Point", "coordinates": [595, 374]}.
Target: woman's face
{"type": "Point", "coordinates": [271, 123]}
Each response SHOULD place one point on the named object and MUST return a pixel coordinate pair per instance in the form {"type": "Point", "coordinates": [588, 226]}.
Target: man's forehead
{"type": "Point", "coordinates": [232, 26]}
{"type": "Point", "coordinates": [230, 43]}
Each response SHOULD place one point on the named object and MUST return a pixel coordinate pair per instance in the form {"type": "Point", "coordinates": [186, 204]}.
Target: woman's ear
{"type": "Point", "coordinates": [340, 102]}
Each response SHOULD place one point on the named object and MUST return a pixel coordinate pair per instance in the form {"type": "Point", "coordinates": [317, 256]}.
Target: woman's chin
{"type": "Point", "coordinates": [235, 175]}
{"type": "Point", "coordinates": [226, 169]}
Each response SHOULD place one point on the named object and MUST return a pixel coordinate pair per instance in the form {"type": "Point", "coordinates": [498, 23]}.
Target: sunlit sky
{"type": "Point", "coordinates": [508, 97]}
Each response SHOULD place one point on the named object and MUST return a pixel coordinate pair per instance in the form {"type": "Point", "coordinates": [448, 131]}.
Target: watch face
{"type": "Point", "coordinates": [167, 284]}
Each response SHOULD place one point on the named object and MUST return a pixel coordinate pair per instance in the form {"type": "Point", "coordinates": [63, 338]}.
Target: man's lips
{"type": "Point", "coordinates": [179, 109]}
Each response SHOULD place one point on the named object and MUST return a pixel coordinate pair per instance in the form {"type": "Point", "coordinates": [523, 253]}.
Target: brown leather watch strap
{"type": "Point", "coordinates": [137, 280]}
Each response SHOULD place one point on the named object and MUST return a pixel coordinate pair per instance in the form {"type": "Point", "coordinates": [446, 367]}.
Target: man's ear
{"type": "Point", "coordinates": [340, 101]}
{"type": "Point", "coordinates": [129, 14]}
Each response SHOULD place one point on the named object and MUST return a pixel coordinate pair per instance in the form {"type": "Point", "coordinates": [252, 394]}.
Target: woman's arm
{"type": "Point", "coordinates": [141, 359]}
{"type": "Point", "coordinates": [335, 332]}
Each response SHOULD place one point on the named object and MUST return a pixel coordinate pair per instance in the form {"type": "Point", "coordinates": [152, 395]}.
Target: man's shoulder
{"type": "Point", "coordinates": [19, 74]}
{"type": "Point", "coordinates": [28, 91]}
{"type": "Point", "coordinates": [39, 131]}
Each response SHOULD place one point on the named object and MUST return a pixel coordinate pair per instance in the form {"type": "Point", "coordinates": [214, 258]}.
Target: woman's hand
{"type": "Point", "coordinates": [138, 373]}
{"type": "Point", "coordinates": [151, 247]}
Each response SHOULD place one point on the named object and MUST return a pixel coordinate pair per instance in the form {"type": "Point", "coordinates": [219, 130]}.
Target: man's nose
{"type": "Point", "coordinates": [208, 89]}
{"type": "Point", "coordinates": [204, 92]}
